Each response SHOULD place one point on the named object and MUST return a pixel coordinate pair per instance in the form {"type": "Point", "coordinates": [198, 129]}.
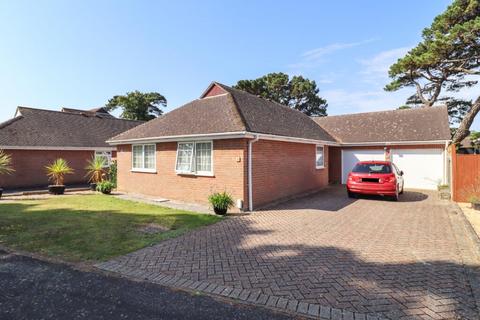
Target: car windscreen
{"type": "Point", "coordinates": [372, 168]}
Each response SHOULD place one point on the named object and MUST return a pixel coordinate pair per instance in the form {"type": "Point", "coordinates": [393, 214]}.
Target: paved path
{"type": "Point", "coordinates": [329, 256]}
{"type": "Point", "coordinates": [31, 289]}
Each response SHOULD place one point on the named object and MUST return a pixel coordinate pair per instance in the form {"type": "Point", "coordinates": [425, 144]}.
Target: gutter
{"type": "Point", "coordinates": [250, 179]}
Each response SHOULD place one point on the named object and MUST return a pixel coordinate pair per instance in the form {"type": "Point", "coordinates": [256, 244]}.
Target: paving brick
{"type": "Point", "coordinates": [391, 259]}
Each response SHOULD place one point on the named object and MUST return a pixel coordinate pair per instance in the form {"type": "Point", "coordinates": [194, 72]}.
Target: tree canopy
{"type": "Point", "coordinates": [298, 92]}
{"type": "Point", "coordinates": [137, 105]}
{"type": "Point", "coordinates": [446, 61]}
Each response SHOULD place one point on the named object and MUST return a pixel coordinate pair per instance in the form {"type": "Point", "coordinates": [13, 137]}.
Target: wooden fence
{"type": "Point", "coordinates": [466, 176]}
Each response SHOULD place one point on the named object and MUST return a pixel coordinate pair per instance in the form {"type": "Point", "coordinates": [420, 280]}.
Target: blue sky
{"type": "Point", "coordinates": [79, 54]}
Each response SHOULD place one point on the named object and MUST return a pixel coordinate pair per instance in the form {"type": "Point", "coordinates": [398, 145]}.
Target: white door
{"type": "Point", "coordinates": [351, 157]}
{"type": "Point", "coordinates": [422, 168]}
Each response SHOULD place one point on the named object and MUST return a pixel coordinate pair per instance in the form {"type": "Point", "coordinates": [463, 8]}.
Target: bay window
{"type": "Point", "coordinates": [194, 158]}
{"type": "Point", "coordinates": [319, 159]}
{"type": "Point", "coordinates": [143, 157]}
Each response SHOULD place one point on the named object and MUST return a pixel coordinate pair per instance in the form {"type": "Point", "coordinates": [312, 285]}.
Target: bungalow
{"type": "Point", "coordinates": [36, 137]}
{"type": "Point", "coordinates": [260, 151]}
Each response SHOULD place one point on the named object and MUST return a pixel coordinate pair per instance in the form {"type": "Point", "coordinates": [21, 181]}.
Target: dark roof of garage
{"type": "Point", "coordinates": [418, 124]}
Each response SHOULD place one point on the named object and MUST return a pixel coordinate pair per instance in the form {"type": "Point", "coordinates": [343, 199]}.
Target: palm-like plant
{"type": "Point", "coordinates": [95, 169]}
{"type": "Point", "coordinates": [5, 163]}
{"type": "Point", "coordinates": [57, 170]}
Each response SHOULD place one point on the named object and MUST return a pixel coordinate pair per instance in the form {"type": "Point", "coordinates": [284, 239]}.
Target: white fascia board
{"type": "Point", "coordinates": [362, 144]}
{"type": "Point", "coordinates": [294, 139]}
{"type": "Point", "coordinates": [58, 148]}
{"type": "Point", "coordinates": [187, 137]}
{"type": "Point", "coordinates": [224, 135]}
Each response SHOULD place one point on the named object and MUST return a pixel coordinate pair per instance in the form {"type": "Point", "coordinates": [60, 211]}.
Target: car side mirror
{"type": "Point", "coordinates": [401, 173]}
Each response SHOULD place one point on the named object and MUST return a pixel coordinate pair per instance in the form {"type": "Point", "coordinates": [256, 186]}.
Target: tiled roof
{"type": "Point", "coordinates": [418, 124]}
{"type": "Point", "coordinates": [231, 111]}
{"type": "Point", "coordinates": [45, 128]}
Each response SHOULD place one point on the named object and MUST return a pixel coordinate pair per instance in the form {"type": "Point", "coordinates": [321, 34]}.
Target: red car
{"type": "Point", "coordinates": [375, 177]}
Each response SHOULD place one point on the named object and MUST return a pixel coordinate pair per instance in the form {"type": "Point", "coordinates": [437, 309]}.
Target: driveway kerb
{"type": "Point", "coordinates": [251, 297]}
{"type": "Point", "coordinates": [469, 248]}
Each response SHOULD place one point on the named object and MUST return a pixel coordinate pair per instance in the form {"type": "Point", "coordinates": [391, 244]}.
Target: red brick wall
{"type": "Point", "coordinates": [215, 91]}
{"type": "Point", "coordinates": [285, 169]}
{"type": "Point", "coordinates": [229, 165]}
{"type": "Point", "coordinates": [30, 165]}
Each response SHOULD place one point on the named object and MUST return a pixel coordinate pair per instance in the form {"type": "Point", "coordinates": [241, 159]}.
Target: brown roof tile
{"type": "Point", "coordinates": [47, 128]}
{"type": "Point", "coordinates": [233, 111]}
{"type": "Point", "coordinates": [419, 124]}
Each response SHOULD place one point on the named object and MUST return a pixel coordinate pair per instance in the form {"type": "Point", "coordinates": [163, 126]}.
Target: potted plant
{"type": "Point", "coordinates": [56, 173]}
{"type": "Point", "coordinates": [5, 166]}
{"type": "Point", "coordinates": [105, 187]}
{"type": "Point", "coordinates": [95, 169]}
{"type": "Point", "coordinates": [221, 202]}
{"type": "Point", "coordinates": [475, 202]}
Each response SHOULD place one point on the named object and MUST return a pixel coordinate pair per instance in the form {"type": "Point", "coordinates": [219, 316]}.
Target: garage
{"type": "Point", "coordinates": [351, 157]}
{"type": "Point", "coordinates": [423, 168]}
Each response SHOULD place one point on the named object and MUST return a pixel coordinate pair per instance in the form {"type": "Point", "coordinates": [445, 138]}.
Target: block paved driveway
{"type": "Point", "coordinates": [329, 256]}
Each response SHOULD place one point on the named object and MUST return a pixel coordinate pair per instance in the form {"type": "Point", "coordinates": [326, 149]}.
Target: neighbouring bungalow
{"type": "Point", "coordinates": [262, 152]}
{"type": "Point", "coordinates": [36, 137]}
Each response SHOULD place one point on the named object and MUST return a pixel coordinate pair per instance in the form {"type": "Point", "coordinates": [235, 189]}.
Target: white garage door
{"type": "Point", "coordinates": [351, 157]}
{"type": "Point", "coordinates": [423, 168]}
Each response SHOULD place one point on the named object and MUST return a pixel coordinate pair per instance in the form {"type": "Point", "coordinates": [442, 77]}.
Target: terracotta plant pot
{"type": "Point", "coordinates": [54, 189]}
{"type": "Point", "coordinates": [220, 211]}
{"type": "Point", "coordinates": [476, 205]}
{"type": "Point", "coordinates": [93, 186]}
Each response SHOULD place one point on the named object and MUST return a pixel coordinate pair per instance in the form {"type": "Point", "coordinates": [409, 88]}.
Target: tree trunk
{"type": "Point", "coordinates": [463, 130]}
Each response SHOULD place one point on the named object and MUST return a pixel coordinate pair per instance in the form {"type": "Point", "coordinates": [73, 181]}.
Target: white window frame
{"type": "Point", "coordinates": [142, 168]}
{"type": "Point", "coordinates": [323, 156]}
{"type": "Point", "coordinates": [193, 165]}
{"type": "Point", "coordinates": [106, 154]}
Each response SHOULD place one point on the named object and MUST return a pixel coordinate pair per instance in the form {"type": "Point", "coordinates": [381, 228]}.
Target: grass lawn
{"type": "Point", "coordinates": [89, 227]}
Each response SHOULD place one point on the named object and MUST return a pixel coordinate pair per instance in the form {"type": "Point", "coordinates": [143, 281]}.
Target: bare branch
{"type": "Point", "coordinates": [467, 121]}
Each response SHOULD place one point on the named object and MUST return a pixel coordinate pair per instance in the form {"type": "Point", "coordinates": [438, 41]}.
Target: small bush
{"type": "Point", "coordinates": [441, 187]}
{"type": "Point", "coordinates": [474, 199]}
{"type": "Point", "coordinates": [112, 173]}
{"type": "Point", "coordinates": [221, 200]}
{"type": "Point", "coordinates": [105, 187]}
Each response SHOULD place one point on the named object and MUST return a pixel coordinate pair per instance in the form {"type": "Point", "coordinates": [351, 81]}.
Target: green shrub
{"type": "Point", "coordinates": [474, 199]}
{"type": "Point", "coordinates": [221, 200]}
{"type": "Point", "coordinates": [105, 187]}
{"type": "Point", "coordinates": [112, 173]}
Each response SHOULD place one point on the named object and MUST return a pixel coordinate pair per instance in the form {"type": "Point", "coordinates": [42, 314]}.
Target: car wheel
{"type": "Point", "coordinates": [395, 197]}
{"type": "Point", "coordinates": [351, 194]}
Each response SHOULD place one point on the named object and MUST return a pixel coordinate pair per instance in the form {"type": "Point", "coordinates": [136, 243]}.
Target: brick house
{"type": "Point", "coordinates": [261, 152]}
{"type": "Point", "coordinates": [36, 137]}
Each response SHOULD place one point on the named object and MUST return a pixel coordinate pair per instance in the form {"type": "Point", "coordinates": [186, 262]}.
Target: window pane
{"type": "Point", "coordinates": [319, 156]}
{"type": "Point", "coordinates": [203, 157]}
{"type": "Point", "coordinates": [149, 157]}
{"type": "Point", "coordinates": [184, 157]}
{"type": "Point", "coordinates": [137, 157]}
{"type": "Point", "coordinates": [105, 155]}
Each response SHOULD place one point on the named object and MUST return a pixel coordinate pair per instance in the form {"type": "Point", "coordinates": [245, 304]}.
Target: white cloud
{"type": "Point", "coordinates": [343, 101]}
{"type": "Point", "coordinates": [376, 68]}
{"type": "Point", "coordinates": [314, 57]}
